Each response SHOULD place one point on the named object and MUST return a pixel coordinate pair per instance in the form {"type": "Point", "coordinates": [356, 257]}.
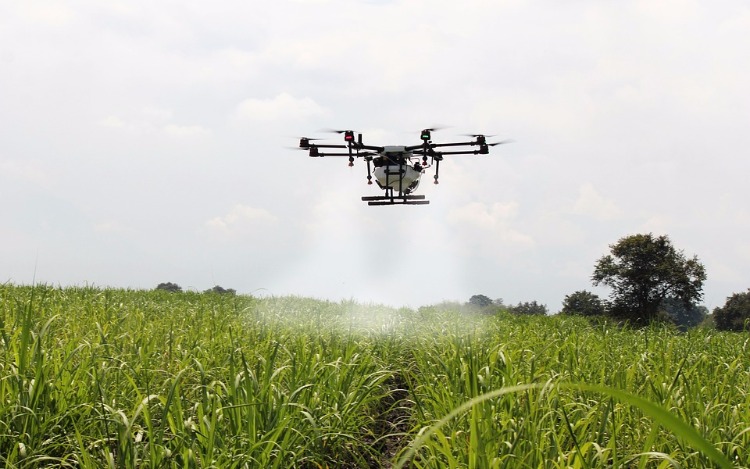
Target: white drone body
{"type": "Point", "coordinates": [394, 169]}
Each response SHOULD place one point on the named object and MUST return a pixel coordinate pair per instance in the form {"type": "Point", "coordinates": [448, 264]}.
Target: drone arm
{"type": "Point", "coordinates": [437, 145]}
{"type": "Point", "coordinates": [314, 152]}
{"type": "Point", "coordinates": [369, 147]}
{"type": "Point", "coordinates": [329, 146]}
{"type": "Point", "coordinates": [456, 144]}
{"type": "Point", "coordinates": [468, 152]}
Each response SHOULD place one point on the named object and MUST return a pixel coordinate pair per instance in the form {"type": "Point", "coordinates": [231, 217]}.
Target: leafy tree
{"type": "Point", "coordinates": [683, 315]}
{"type": "Point", "coordinates": [528, 308]}
{"type": "Point", "coordinates": [221, 291]}
{"type": "Point", "coordinates": [735, 315]}
{"type": "Point", "coordinates": [169, 286]}
{"type": "Point", "coordinates": [583, 303]}
{"type": "Point", "coordinates": [480, 301]}
{"type": "Point", "coordinates": [642, 271]}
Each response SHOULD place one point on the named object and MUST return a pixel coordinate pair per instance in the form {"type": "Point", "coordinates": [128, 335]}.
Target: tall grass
{"type": "Point", "coordinates": [95, 377]}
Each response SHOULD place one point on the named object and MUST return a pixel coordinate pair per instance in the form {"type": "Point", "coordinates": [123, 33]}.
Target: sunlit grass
{"type": "Point", "coordinates": [114, 378]}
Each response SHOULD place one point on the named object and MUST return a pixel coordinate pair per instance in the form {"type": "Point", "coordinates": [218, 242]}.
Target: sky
{"type": "Point", "coordinates": [144, 142]}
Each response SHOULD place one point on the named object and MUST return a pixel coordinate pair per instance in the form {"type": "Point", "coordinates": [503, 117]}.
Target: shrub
{"type": "Point", "coordinates": [735, 315]}
{"type": "Point", "coordinates": [221, 291]}
{"type": "Point", "coordinates": [529, 308]}
{"type": "Point", "coordinates": [169, 286]}
{"type": "Point", "coordinates": [583, 303]}
{"type": "Point", "coordinates": [480, 301]}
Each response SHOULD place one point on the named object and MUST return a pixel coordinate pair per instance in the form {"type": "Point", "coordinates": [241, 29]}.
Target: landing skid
{"type": "Point", "coordinates": [395, 200]}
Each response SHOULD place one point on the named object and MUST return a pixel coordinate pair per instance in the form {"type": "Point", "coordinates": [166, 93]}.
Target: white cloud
{"type": "Point", "coordinates": [495, 220]}
{"type": "Point", "coordinates": [658, 224]}
{"type": "Point", "coordinates": [112, 227]}
{"type": "Point", "coordinates": [668, 11]}
{"type": "Point", "coordinates": [147, 119]}
{"type": "Point", "coordinates": [26, 171]}
{"type": "Point", "coordinates": [156, 115]}
{"type": "Point", "coordinates": [47, 12]}
{"type": "Point", "coordinates": [593, 204]}
{"type": "Point", "coordinates": [237, 59]}
{"type": "Point", "coordinates": [743, 250]}
{"type": "Point", "coordinates": [242, 220]}
{"type": "Point", "coordinates": [739, 23]}
{"type": "Point", "coordinates": [283, 106]}
{"type": "Point", "coordinates": [186, 131]}
{"type": "Point", "coordinates": [113, 122]}
{"type": "Point", "coordinates": [153, 120]}
{"type": "Point", "coordinates": [480, 215]}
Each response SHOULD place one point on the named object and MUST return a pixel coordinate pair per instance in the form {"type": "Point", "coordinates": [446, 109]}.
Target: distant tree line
{"type": "Point", "coordinates": [585, 303]}
{"type": "Point", "coordinates": [173, 287]}
{"type": "Point", "coordinates": [650, 280]}
{"type": "Point", "coordinates": [485, 304]}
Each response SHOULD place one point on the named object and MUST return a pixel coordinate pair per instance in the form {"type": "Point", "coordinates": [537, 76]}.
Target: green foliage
{"type": "Point", "coordinates": [169, 286]}
{"type": "Point", "coordinates": [528, 308]}
{"type": "Point", "coordinates": [642, 271]}
{"type": "Point", "coordinates": [480, 301]}
{"type": "Point", "coordinates": [95, 378]}
{"type": "Point", "coordinates": [735, 314]}
{"type": "Point", "coordinates": [683, 315]}
{"type": "Point", "coordinates": [221, 291]}
{"type": "Point", "coordinates": [583, 303]}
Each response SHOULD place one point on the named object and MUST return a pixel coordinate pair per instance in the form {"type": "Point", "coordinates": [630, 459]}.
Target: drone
{"type": "Point", "coordinates": [397, 169]}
